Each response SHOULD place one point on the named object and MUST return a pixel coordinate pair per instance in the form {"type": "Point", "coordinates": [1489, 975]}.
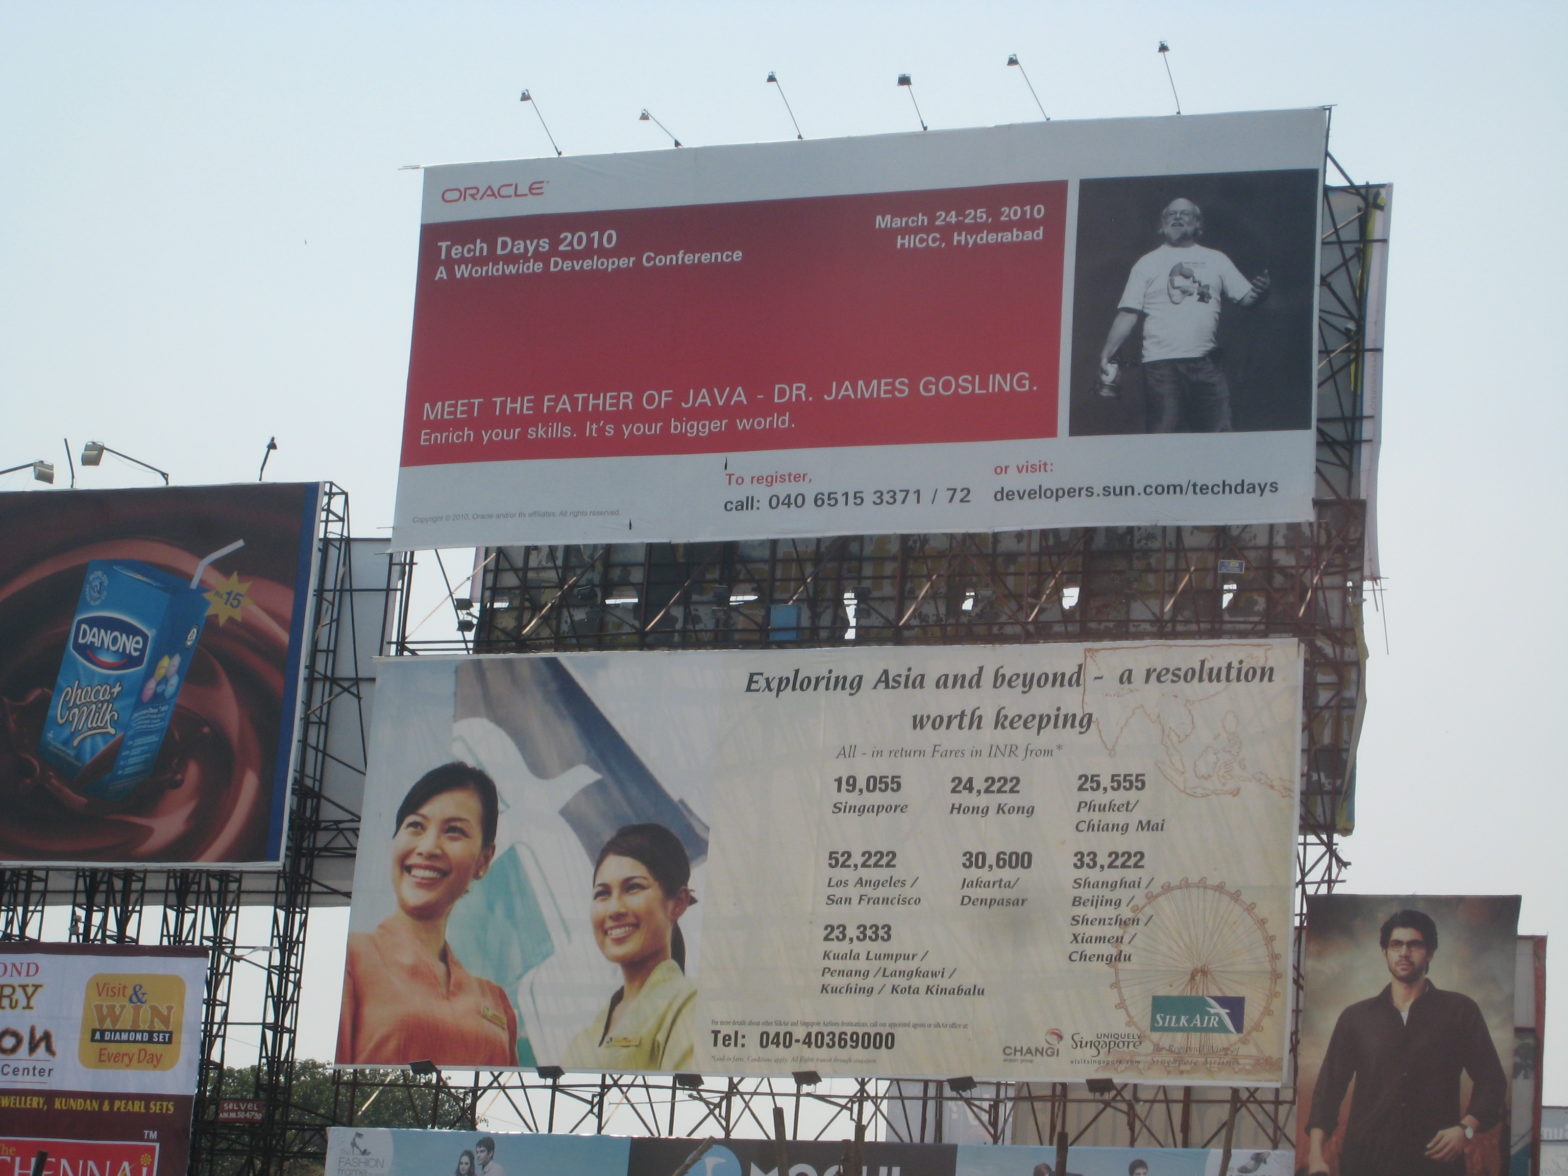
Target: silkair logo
{"type": "Point", "coordinates": [110, 643]}
{"type": "Point", "coordinates": [1197, 1014]}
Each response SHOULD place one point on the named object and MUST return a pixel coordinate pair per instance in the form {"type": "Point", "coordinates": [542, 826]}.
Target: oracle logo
{"type": "Point", "coordinates": [513, 191]}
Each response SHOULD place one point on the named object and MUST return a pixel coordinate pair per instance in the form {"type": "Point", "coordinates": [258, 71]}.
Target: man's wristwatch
{"type": "Point", "coordinates": [1468, 1130]}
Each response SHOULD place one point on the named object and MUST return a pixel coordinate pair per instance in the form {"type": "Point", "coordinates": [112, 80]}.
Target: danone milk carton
{"type": "Point", "coordinates": [130, 648]}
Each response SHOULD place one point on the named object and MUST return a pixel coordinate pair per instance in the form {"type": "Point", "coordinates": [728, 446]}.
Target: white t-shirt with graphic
{"type": "Point", "coordinates": [1179, 289]}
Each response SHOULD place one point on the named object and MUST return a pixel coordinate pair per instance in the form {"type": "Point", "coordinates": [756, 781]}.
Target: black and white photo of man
{"type": "Point", "coordinates": [1192, 304]}
{"type": "Point", "coordinates": [1177, 292]}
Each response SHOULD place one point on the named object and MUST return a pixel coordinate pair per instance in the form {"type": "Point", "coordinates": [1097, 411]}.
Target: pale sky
{"type": "Point", "coordinates": [206, 241]}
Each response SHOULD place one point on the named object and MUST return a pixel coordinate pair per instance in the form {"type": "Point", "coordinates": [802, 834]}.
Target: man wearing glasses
{"type": "Point", "coordinates": [1406, 1048]}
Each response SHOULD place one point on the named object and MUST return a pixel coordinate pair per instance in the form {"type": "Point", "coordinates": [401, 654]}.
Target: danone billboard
{"type": "Point", "coordinates": [151, 646]}
{"type": "Point", "coordinates": [1051, 324]}
{"type": "Point", "coordinates": [102, 1046]}
{"type": "Point", "coordinates": [1046, 862]}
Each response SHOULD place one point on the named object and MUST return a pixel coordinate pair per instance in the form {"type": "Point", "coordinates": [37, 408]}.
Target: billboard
{"type": "Point", "coordinates": [102, 1048]}
{"type": "Point", "coordinates": [1529, 1019]}
{"type": "Point", "coordinates": [384, 1151]}
{"type": "Point", "coordinates": [391, 1152]}
{"type": "Point", "coordinates": [1044, 862]}
{"type": "Point", "coordinates": [1408, 1006]}
{"type": "Point", "coordinates": [149, 681]}
{"type": "Point", "coordinates": [1554, 1141]}
{"type": "Point", "coordinates": [1045, 325]}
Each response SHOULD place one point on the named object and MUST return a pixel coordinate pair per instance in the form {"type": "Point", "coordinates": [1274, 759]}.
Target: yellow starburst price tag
{"type": "Point", "coordinates": [227, 601]}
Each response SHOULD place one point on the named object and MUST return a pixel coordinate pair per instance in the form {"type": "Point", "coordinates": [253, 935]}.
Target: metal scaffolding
{"type": "Point", "coordinates": [194, 907]}
{"type": "Point", "coordinates": [1306, 581]}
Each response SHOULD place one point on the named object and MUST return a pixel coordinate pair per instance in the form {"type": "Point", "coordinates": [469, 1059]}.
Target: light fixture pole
{"type": "Point", "coordinates": [908, 83]}
{"type": "Point", "coordinates": [646, 117]}
{"type": "Point", "coordinates": [93, 451]}
{"type": "Point", "coordinates": [527, 97]}
{"type": "Point", "coordinates": [1012, 59]}
{"type": "Point", "coordinates": [43, 471]}
{"type": "Point", "coordinates": [773, 80]}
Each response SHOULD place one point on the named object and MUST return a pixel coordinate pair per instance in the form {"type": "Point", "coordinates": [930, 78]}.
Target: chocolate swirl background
{"type": "Point", "coordinates": [218, 792]}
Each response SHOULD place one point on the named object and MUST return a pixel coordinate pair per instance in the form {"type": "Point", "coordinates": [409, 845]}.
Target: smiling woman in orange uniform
{"type": "Point", "coordinates": [405, 995]}
{"type": "Point", "coordinates": [640, 892]}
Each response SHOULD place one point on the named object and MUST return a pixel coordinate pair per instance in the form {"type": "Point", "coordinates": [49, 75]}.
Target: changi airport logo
{"type": "Point", "coordinates": [131, 1021]}
{"type": "Point", "coordinates": [512, 191]}
{"type": "Point", "coordinates": [109, 642]}
{"type": "Point", "coordinates": [1050, 1047]}
{"type": "Point", "coordinates": [1197, 1014]}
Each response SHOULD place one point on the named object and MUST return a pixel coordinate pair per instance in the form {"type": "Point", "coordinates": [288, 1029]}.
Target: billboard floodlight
{"type": "Point", "coordinates": [1012, 59]}
{"type": "Point", "coordinates": [93, 451]}
{"type": "Point", "coordinates": [908, 83]}
{"type": "Point", "coordinates": [1164, 52]}
{"type": "Point", "coordinates": [43, 471]}
{"type": "Point", "coordinates": [646, 117]}
{"type": "Point", "coordinates": [527, 97]}
{"type": "Point", "coordinates": [773, 79]}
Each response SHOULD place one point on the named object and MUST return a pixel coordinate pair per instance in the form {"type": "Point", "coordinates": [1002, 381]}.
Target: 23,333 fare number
{"type": "Point", "coordinates": [857, 933]}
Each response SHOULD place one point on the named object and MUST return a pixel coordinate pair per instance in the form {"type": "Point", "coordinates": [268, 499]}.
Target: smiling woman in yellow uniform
{"type": "Point", "coordinates": [405, 995]}
{"type": "Point", "coordinates": [640, 892]}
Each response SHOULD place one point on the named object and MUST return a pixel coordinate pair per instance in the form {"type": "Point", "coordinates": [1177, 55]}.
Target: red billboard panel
{"type": "Point", "coordinates": [1041, 325]}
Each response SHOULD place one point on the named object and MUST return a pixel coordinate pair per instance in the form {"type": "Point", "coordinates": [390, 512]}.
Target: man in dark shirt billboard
{"type": "Point", "coordinates": [1406, 1048]}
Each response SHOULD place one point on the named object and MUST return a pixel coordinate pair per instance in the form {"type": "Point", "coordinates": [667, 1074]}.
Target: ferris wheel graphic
{"type": "Point", "coordinates": [1200, 939]}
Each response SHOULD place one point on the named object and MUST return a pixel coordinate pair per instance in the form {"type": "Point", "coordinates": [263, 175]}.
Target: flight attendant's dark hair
{"type": "Point", "coordinates": [450, 778]}
{"type": "Point", "coordinates": [665, 858]}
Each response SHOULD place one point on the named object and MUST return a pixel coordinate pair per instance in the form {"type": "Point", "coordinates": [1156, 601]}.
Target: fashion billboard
{"type": "Point", "coordinates": [391, 1152]}
{"type": "Point", "coordinates": [1046, 862]}
{"type": "Point", "coordinates": [151, 646]}
{"type": "Point", "coordinates": [1044, 325]}
{"type": "Point", "coordinates": [102, 1046]}
{"type": "Point", "coordinates": [1407, 1033]}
